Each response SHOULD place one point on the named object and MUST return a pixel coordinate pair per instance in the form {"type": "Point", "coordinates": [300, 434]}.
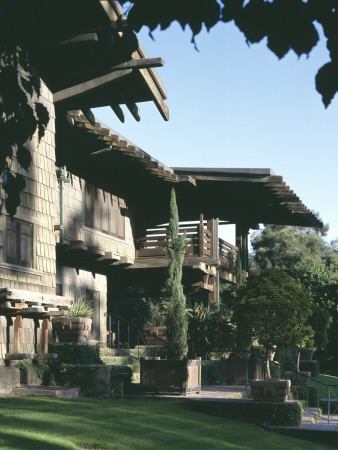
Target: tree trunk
{"type": "Point", "coordinates": [268, 375]}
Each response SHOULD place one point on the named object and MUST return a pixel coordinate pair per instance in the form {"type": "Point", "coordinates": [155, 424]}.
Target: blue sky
{"type": "Point", "coordinates": [237, 106]}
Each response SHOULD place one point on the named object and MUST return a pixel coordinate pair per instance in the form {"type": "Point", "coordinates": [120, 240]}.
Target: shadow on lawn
{"type": "Point", "coordinates": [8, 440]}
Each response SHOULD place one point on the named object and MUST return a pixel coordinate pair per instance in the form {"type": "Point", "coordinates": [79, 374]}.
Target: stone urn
{"type": "Point", "coordinates": [270, 390]}
{"type": "Point", "coordinates": [297, 379]}
{"type": "Point", "coordinates": [73, 329]}
{"type": "Point", "coordinates": [306, 354]}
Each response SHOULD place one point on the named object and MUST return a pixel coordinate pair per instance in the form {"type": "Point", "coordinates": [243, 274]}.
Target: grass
{"type": "Point", "coordinates": [55, 424]}
{"type": "Point", "coordinates": [328, 379]}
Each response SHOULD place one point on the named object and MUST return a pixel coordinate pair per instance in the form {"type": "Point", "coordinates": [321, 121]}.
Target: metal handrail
{"type": "Point", "coordinates": [140, 336]}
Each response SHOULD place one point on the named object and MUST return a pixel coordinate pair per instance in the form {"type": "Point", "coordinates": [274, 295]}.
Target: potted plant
{"type": "Point", "coordinates": [275, 310]}
{"type": "Point", "coordinates": [177, 373]}
{"type": "Point", "coordinates": [77, 325]}
{"type": "Point", "coordinates": [155, 330]}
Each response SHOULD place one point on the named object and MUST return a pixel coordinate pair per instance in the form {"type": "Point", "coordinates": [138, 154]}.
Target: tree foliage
{"type": "Point", "coordinates": [175, 301]}
{"type": "Point", "coordinates": [285, 24]}
{"type": "Point", "coordinates": [284, 247]}
{"type": "Point", "coordinates": [313, 263]}
{"type": "Point", "coordinates": [274, 309]}
{"type": "Point", "coordinates": [210, 329]}
{"type": "Point", "coordinates": [20, 115]}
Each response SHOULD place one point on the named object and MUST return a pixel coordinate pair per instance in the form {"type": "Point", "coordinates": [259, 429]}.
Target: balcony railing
{"type": "Point", "coordinates": [227, 253]}
{"type": "Point", "coordinates": [201, 242]}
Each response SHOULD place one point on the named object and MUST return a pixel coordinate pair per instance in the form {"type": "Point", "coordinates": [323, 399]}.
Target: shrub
{"type": "Point", "coordinates": [305, 393]}
{"type": "Point", "coordinates": [69, 355]}
{"type": "Point", "coordinates": [310, 366]}
{"type": "Point", "coordinates": [278, 414]}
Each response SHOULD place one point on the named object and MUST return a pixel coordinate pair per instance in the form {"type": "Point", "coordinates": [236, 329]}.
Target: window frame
{"type": "Point", "coordinates": [19, 233]}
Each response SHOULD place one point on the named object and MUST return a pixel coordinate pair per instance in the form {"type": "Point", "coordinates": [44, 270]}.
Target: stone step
{"type": "Point", "coordinates": [47, 391]}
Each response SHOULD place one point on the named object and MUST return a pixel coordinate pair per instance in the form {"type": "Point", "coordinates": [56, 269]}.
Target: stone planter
{"type": "Point", "coordinates": [238, 371]}
{"type": "Point", "coordinates": [73, 329]}
{"type": "Point", "coordinates": [270, 390]}
{"type": "Point", "coordinates": [297, 379]}
{"type": "Point", "coordinates": [170, 377]}
{"type": "Point", "coordinates": [156, 332]}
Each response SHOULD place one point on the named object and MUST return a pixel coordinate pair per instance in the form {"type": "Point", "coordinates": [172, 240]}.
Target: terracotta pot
{"type": "Point", "coordinates": [73, 329]}
{"type": "Point", "coordinates": [270, 390]}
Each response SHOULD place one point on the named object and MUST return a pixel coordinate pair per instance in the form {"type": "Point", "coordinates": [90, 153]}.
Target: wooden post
{"type": "Point", "coordinates": [18, 325]}
{"type": "Point", "coordinates": [36, 326]}
{"type": "Point", "coordinates": [201, 236]}
{"type": "Point", "coordinates": [212, 296]}
{"type": "Point", "coordinates": [211, 226]}
{"type": "Point", "coordinates": [44, 334]}
{"type": "Point", "coordinates": [8, 332]}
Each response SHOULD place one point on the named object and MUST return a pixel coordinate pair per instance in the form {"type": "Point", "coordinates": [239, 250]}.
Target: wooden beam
{"type": "Point", "coordinates": [45, 299]}
{"type": "Point", "coordinates": [134, 111]}
{"type": "Point", "coordinates": [89, 115]}
{"type": "Point", "coordinates": [158, 98]}
{"type": "Point", "coordinates": [135, 64]}
{"type": "Point", "coordinates": [85, 37]}
{"type": "Point", "coordinates": [119, 112]}
{"type": "Point", "coordinates": [88, 86]}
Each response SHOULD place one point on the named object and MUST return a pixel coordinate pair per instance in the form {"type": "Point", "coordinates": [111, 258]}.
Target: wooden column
{"type": "Point", "coordinates": [44, 335]}
{"type": "Point", "coordinates": [18, 325]}
{"type": "Point", "coordinates": [211, 226]}
{"type": "Point", "coordinates": [201, 236]}
{"type": "Point", "coordinates": [36, 326]}
{"type": "Point", "coordinates": [212, 296]}
{"type": "Point", "coordinates": [8, 331]}
{"type": "Point", "coordinates": [242, 243]}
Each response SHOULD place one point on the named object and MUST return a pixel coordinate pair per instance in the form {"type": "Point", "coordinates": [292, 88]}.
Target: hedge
{"type": "Point", "coordinates": [287, 414]}
{"type": "Point", "coordinates": [310, 366]}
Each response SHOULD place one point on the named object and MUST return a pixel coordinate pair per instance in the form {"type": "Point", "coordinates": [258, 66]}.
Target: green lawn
{"type": "Point", "coordinates": [328, 379]}
{"type": "Point", "coordinates": [34, 423]}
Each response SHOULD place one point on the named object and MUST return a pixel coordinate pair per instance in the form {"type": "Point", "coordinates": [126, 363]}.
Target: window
{"type": "Point", "coordinates": [93, 297]}
{"type": "Point", "coordinates": [59, 289]}
{"type": "Point", "coordinates": [105, 212]}
{"type": "Point", "coordinates": [19, 237]}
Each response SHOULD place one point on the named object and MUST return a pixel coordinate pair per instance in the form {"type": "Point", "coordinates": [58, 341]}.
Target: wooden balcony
{"type": "Point", "coordinates": [201, 243]}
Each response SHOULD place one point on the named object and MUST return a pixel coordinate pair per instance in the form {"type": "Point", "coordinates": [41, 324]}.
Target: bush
{"type": "Point", "coordinates": [303, 393]}
{"type": "Point", "coordinates": [79, 354]}
{"type": "Point", "coordinates": [275, 370]}
{"type": "Point", "coordinates": [310, 366]}
{"type": "Point", "coordinates": [277, 414]}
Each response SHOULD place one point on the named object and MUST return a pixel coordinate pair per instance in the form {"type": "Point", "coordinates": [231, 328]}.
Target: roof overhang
{"type": "Point", "coordinates": [247, 196]}
{"type": "Point", "coordinates": [103, 157]}
{"type": "Point", "coordinates": [88, 56]}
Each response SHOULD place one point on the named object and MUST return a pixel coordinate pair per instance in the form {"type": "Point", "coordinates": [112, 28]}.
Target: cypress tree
{"type": "Point", "coordinates": [175, 301]}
